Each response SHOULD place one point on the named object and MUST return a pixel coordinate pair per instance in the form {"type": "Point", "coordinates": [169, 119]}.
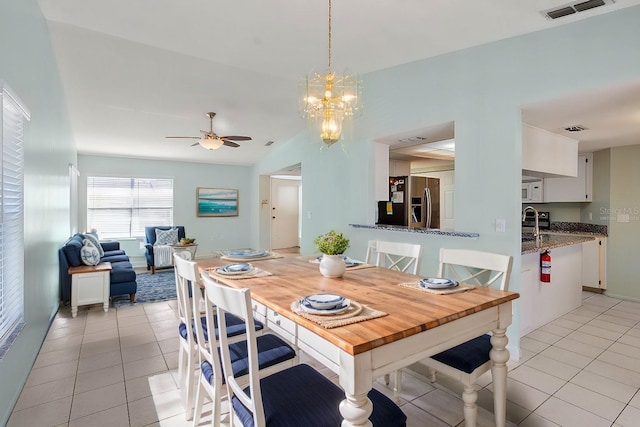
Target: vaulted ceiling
{"type": "Point", "coordinates": [136, 71]}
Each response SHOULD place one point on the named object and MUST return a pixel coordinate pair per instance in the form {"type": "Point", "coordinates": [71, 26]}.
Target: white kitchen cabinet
{"type": "Point", "coordinates": [399, 168]}
{"type": "Point", "coordinates": [546, 154]}
{"type": "Point", "coordinates": [578, 189]}
{"type": "Point", "coordinates": [542, 302]}
{"type": "Point", "coordinates": [594, 263]}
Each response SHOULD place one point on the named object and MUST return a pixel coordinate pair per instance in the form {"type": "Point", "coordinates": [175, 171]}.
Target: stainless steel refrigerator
{"type": "Point", "coordinates": [414, 202]}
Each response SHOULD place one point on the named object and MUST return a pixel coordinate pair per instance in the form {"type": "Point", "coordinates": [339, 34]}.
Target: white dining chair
{"type": "Point", "coordinates": [296, 396]}
{"type": "Point", "coordinates": [394, 255]}
{"type": "Point", "coordinates": [274, 354]}
{"type": "Point", "coordinates": [467, 361]}
{"type": "Point", "coordinates": [187, 278]}
{"type": "Point", "coordinates": [403, 257]}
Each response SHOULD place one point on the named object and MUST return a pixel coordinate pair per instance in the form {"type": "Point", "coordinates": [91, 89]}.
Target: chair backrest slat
{"type": "Point", "coordinates": [476, 267]}
{"type": "Point", "coordinates": [394, 255]}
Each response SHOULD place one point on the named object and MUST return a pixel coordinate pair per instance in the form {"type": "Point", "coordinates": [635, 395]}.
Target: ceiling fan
{"type": "Point", "coordinates": [210, 140]}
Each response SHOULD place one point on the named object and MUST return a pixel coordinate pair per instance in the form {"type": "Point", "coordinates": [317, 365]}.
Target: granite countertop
{"type": "Point", "coordinates": [550, 241]}
{"type": "Point", "coordinates": [406, 229]}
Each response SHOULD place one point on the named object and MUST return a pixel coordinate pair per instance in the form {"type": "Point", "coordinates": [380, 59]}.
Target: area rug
{"type": "Point", "coordinates": [151, 288]}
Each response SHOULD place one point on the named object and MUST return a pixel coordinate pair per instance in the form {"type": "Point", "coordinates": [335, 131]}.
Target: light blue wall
{"type": "Point", "coordinates": [482, 89]}
{"type": "Point", "coordinates": [211, 234]}
{"type": "Point", "coordinates": [28, 66]}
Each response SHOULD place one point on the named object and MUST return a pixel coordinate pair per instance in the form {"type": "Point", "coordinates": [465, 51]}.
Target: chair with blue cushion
{"type": "Point", "coordinates": [467, 361]}
{"type": "Point", "coordinates": [273, 355]}
{"type": "Point", "coordinates": [187, 279]}
{"type": "Point", "coordinates": [150, 236]}
{"type": "Point", "coordinates": [297, 396]}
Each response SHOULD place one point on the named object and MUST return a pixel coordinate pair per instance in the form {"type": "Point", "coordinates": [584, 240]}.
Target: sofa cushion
{"type": "Point", "coordinates": [122, 272]}
{"type": "Point", "coordinates": [89, 253]}
{"type": "Point", "coordinates": [72, 251]}
{"type": "Point", "coordinates": [94, 241]}
{"type": "Point", "coordinates": [167, 237]}
{"type": "Point", "coordinates": [115, 258]}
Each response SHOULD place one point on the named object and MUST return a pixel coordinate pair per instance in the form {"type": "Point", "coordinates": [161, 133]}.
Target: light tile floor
{"type": "Point", "coordinates": [118, 369]}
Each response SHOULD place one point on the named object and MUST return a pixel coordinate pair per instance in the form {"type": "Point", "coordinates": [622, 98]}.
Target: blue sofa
{"type": "Point", "coordinates": [122, 276]}
{"type": "Point", "coordinates": [150, 233]}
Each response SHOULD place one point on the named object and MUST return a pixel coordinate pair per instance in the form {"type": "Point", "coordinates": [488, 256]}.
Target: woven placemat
{"type": "Point", "coordinates": [270, 256]}
{"type": "Point", "coordinates": [416, 285]}
{"type": "Point", "coordinates": [354, 314]}
{"type": "Point", "coordinates": [251, 274]}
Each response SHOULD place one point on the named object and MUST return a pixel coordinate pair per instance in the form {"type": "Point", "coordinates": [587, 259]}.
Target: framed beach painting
{"type": "Point", "coordinates": [216, 202]}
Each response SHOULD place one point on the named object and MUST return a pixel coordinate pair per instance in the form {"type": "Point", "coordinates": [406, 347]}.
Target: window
{"type": "Point", "coordinates": [13, 118]}
{"type": "Point", "coordinates": [122, 207]}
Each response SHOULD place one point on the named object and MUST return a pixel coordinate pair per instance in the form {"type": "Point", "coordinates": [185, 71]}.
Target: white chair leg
{"type": "Point", "coordinates": [397, 385]}
{"type": "Point", "coordinates": [469, 397]}
{"type": "Point", "coordinates": [197, 411]}
{"type": "Point", "coordinates": [386, 379]}
{"type": "Point", "coordinates": [189, 390]}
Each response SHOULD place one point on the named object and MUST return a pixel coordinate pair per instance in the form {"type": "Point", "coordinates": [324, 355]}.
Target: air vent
{"type": "Point", "coordinates": [575, 128]}
{"type": "Point", "coordinates": [268, 143]}
{"type": "Point", "coordinates": [412, 139]}
{"type": "Point", "coordinates": [572, 8]}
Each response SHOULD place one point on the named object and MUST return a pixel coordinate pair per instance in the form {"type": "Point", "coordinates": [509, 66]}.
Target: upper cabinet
{"type": "Point", "coordinates": [546, 154]}
{"type": "Point", "coordinates": [578, 189]}
{"type": "Point", "coordinates": [399, 168]}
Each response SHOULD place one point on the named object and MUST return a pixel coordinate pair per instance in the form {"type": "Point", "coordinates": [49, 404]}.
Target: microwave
{"type": "Point", "coordinates": [532, 191]}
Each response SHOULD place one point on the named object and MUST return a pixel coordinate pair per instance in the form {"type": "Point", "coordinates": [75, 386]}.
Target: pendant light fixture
{"type": "Point", "coordinates": [329, 100]}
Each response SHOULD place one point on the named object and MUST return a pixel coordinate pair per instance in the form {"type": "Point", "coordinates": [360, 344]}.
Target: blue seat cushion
{"type": "Point", "coordinates": [122, 272]}
{"type": "Point", "coordinates": [114, 253]}
{"type": "Point", "coordinates": [114, 258]}
{"type": "Point", "coordinates": [235, 326]}
{"type": "Point", "coordinates": [467, 356]}
{"type": "Point", "coordinates": [271, 351]}
{"type": "Point", "coordinates": [301, 396]}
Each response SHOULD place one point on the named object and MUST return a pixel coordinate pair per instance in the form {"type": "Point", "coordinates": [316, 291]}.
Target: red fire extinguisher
{"type": "Point", "coordinates": [545, 266]}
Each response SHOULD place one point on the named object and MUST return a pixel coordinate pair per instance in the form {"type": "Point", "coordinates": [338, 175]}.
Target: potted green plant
{"type": "Point", "coordinates": [332, 245]}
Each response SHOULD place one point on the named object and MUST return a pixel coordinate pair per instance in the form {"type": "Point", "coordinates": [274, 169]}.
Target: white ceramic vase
{"type": "Point", "coordinates": [332, 265]}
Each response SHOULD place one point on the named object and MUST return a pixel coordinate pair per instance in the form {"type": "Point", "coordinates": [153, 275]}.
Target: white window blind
{"type": "Point", "coordinates": [122, 207]}
{"type": "Point", "coordinates": [14, 116]}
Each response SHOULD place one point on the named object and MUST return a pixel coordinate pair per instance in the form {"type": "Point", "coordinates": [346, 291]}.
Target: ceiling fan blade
{"type": "Point", "coordinates": [230, 144]}
{"type": "Point", "coordinates": [237, 138]}
{"type": "Point", "coordinates": [184, 137]}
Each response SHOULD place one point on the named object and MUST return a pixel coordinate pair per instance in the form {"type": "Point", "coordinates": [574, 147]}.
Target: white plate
{"type": "Point", "coordinates": [222, 271]}
{"type": "Point", "coordinates": [237, 268]}
{"type": "Point", "coordinates": [438, 283]}
{"type": "Point", "coordinates": [323, 301]}
{"type": "Point", "coordinates": [247, 253]}
{"type": "Point", "coordinates": [337, 310]}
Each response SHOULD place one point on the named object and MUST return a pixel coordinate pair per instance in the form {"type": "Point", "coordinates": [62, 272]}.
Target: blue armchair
{"type": "Point", "coordinates": [150, 234]}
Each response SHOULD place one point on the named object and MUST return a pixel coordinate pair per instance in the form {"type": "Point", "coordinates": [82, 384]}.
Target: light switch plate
{"type": "Point", "coordinates": [501, 225]}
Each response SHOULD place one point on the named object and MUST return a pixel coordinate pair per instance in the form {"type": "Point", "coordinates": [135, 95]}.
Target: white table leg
{"type": "Point", "coordinates": [500, 356]}
{"type": "Point", "coordinates": [355, 410]}
{"type": "Point", "coordinates": [74, 310]}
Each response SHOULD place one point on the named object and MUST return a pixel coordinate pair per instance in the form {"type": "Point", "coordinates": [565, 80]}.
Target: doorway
{"type": "Point", "coordinates": [285, 212]}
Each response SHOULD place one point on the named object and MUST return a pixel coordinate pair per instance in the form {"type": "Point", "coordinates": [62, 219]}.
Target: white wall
{"type": "Point", "coordinates": [28, 66]}
{"type": "Point", "coordinates": [482, 90]}
{"type": "Point", "coordinates": [211, 233]}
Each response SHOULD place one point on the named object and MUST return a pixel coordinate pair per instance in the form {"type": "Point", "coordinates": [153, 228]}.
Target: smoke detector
{"type": "Point", "coordinates": [572, 8]}
{"type": "Point", "coordinates": [575, 128]}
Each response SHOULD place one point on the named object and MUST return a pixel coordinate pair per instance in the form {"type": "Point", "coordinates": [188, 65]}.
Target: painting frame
{"type": "Point", "coordinates": [217, 202]}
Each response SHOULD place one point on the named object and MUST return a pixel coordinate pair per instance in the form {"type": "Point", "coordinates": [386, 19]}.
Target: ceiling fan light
{"type": "Point", "coordinates": [211, 143]}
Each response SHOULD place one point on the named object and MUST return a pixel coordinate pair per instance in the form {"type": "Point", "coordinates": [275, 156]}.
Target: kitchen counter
{"type": "Point", "coordinates": [552, 241]}
{"type": "Point", "coordinates": [406, 229]}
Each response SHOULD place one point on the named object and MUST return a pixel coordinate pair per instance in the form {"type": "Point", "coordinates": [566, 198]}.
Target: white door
{"type": "Point", "coordinates": [284, 213]}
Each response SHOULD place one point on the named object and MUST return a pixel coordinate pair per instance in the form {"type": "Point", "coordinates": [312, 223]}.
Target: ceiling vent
{"type": "Point", "coordinates": [572, 8]}
{"type": "Point", "coordinates": [575, 128]}
{"type": "Point", "coordinates": [268, 143]}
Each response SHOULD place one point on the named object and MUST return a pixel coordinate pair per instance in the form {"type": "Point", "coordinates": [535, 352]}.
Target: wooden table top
{"type": "Point", "coordinates": [410, 311]}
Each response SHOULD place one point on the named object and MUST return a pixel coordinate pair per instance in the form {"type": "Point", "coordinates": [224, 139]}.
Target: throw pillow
{"type": "Point", "coordinates": [94, 240]}
{"type": "Point", "coordinates": [89, 253]}
{"type": "Point", "coordinates": [167, 237]}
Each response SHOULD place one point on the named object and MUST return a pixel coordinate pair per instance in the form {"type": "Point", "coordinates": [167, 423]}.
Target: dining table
{"type": "Point", "coordinates": [408, 325]}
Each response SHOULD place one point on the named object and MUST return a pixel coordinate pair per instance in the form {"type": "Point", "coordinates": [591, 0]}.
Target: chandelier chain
{"type": "Point", "coordinates": [329, 36]}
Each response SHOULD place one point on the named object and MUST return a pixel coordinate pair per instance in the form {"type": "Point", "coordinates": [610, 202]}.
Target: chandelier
{"type": "Point", "coordinates": [328, 100]}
